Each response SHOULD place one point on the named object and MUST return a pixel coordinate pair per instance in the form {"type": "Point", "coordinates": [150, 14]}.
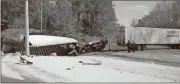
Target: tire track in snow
{"type": "Point", "coordinates": [19, 68]}
{"type": "Point", "coordinates": [27, 77]}
{"type": "Point", "coordinates": [50, 75]}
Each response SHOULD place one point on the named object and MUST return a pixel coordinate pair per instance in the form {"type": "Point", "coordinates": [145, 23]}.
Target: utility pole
{"type": "Point", "coordinates": [41, 14]}
{"type": "Point", "coordinates": [27, 28]}
{"type": "Point", "coordinates": [109, 43]}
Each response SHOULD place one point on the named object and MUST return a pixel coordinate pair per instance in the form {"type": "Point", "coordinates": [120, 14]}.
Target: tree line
{"type": "Point", "coordinates": [165, 14]}
{"type": "Point", "coordinates": [67, 17]}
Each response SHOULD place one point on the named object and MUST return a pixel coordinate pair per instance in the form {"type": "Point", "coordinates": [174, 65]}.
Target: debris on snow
{"type": "Point", "coordinates": [26, 60]}
{"type": "Point", "coordinates": [53, 54]}
{"type": "Point", "coordinates": [80, 61]}
{"type": "Point", "coordinates": [32, 56]}
{"type": "Point", "coordinates": [91, 62]}
{"type": "Point", "coordinates": [68, 68]}
{"type": "Point", "coordinates": [16, 54]}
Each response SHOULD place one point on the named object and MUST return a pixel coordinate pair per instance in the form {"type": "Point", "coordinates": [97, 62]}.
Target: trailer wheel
{"type": "Point", "coordinates": [138, 47]}
{"type": "Point", "coordinates": [169, 46]}
{"type": "Point", "coordinates": [172, 46]}
{"type": "Point", "coordinates": [177, 46]}
{"type": "Point", "coordinates": [145, 47]}
{"type": "Point", "coordinates": [142, 47]}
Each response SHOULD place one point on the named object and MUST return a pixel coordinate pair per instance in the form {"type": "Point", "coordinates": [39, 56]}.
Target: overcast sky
{"type": "Point", "coordinates": [127, 10]}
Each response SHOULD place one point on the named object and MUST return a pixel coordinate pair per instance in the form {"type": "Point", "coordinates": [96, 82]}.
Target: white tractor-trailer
{"type": "Point", "coordinates": [143, 36]}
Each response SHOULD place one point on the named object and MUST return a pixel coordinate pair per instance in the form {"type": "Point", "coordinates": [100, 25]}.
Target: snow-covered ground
{"type": "Point", "coordinates": [7, 72]}
{"type": "Point", "coordinates": [68, 69]}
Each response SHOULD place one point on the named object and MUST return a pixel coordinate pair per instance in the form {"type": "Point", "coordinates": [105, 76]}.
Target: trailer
{"type": "Point", "coordinates": [143, 36]}
{"type": "Point", "coordinates": [39, 45]}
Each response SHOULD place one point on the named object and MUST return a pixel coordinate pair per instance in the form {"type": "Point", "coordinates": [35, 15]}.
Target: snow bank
{"type": "Point", "coordinates": [2, 53]}
{"type": "Point", "coordinates": [11, 57]}
{"type": "Point", "coordinates": [10, 73]}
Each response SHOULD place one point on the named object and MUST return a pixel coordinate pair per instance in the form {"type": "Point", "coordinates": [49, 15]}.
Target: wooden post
{"type": "Point", "coordinates": [41, 15]}
{"type": "Point", "coordinates": [109, 44]}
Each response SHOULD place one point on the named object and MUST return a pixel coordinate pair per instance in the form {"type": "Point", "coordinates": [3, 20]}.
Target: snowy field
{"type": "Point", "coordinates": [70, 69]}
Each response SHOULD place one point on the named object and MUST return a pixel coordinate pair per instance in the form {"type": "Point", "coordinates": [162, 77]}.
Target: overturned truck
{"type": "Point", "coordinates": [45, 45]}
{"type": "Point", "coordinates": [39, 45]}
{"type": "Point", "coordinates": [143, 36]}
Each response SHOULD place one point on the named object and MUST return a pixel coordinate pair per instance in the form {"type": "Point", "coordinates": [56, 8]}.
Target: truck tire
{"type": "Point", "coordinates": [169, 46]}
{"type": "Point", "coordinates": [145, 47]}
{"type": "Point", "coordinates": [142, 47]}
{"type": "Point", "coordinates": [177, 46]}
{"type": "Point", "coordinates": [172, 46]}
{"type": "Point", "coordinates": [138, 47]}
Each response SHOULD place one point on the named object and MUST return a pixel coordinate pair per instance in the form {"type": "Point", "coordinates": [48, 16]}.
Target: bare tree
{"type": "Point", "coordinates": [134, 22]}
{"type": "Point", "coordinates": [164, 15]}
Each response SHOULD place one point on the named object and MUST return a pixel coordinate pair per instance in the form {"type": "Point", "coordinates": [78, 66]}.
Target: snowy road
{"type": "Point", "coordinates": [54, 69]}
{"type": "Point", "coordinates": [161, 56]}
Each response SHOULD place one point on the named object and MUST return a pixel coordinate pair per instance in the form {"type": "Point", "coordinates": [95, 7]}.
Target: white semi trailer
{"type": "Point", "coordinates": [143, 36]}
